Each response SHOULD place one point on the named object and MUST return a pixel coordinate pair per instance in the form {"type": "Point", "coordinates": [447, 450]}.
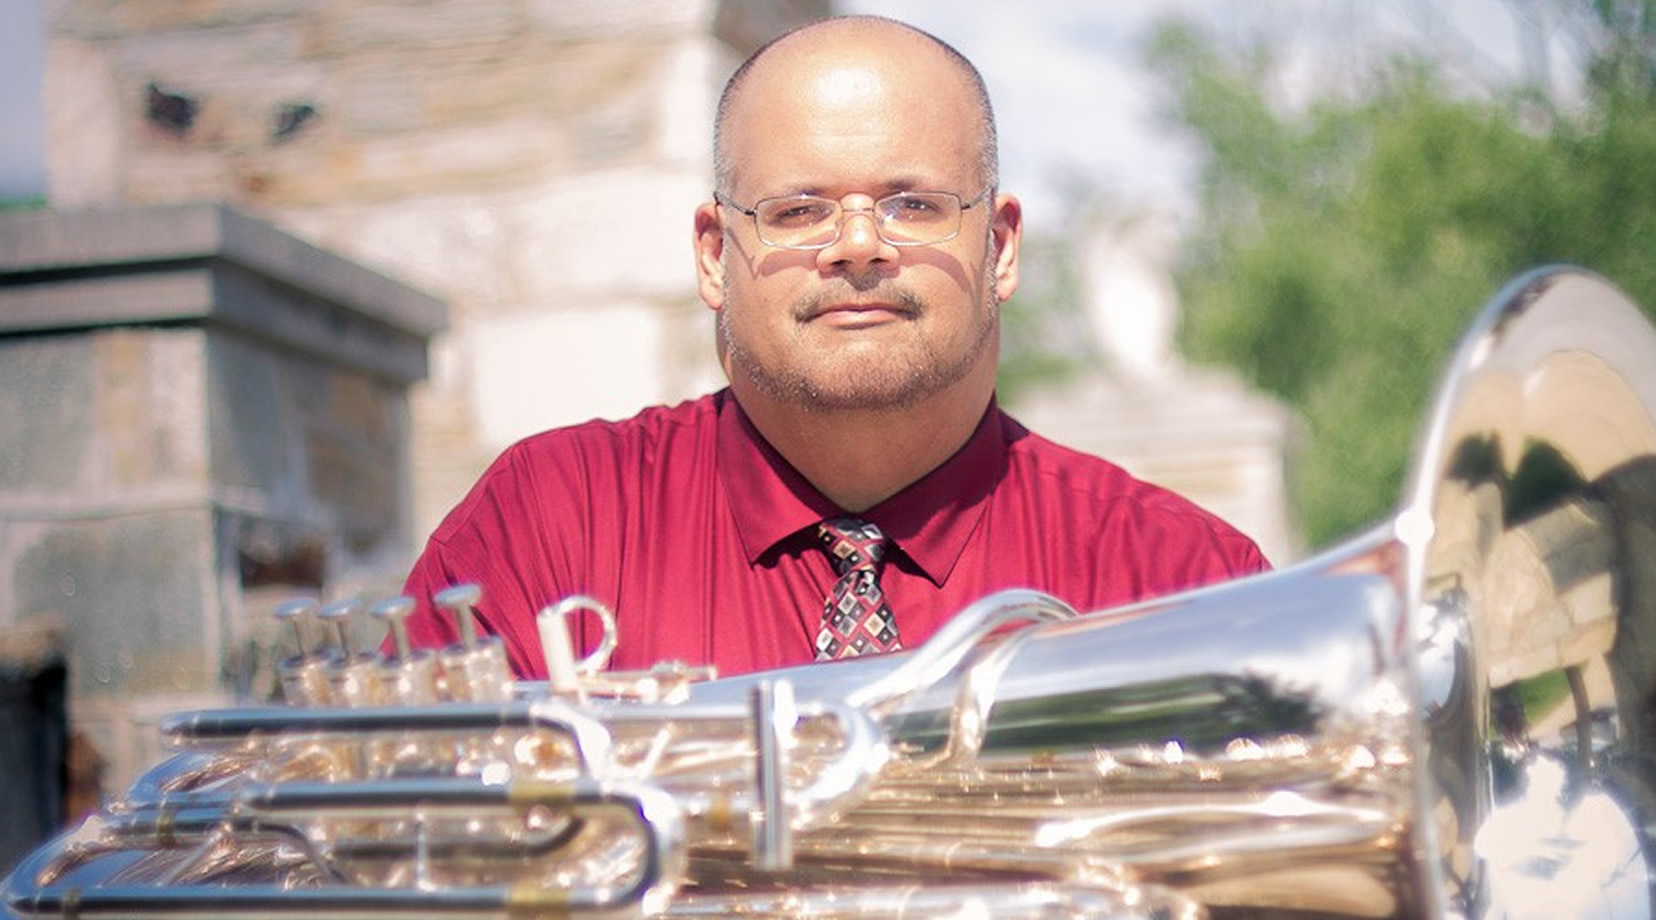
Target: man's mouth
{"type": "Point", "coordinates": [868, 307]}
{"type": "Point", "coordinates": [855, 315]}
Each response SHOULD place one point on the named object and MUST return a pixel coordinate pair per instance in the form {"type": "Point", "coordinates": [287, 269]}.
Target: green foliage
{"type": "Point", "coordinates": [1345, 248]}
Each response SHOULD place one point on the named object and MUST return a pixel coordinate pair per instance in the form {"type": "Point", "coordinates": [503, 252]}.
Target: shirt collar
{"type": "Point", "coordinates": [930, 520]}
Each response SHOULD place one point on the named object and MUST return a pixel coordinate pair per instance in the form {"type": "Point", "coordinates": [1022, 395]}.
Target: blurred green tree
{"type": "Point", "coordinates": [1342, 248]}
{"type": "Point", "coordinates": [1044, 334]}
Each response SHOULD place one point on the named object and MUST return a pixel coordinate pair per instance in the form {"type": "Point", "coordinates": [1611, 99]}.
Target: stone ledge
{"type": "Point", "coordinates": [212, 265]}
{"type": "Point", "coordinates": [53, 241]}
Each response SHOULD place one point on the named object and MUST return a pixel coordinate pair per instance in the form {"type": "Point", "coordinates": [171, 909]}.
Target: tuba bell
{"type": "Point", "coordinates": [1452, 715]}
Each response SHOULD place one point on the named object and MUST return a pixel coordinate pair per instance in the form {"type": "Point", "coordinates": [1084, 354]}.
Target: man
{"type": "Point", "coordinates": [855, 253]}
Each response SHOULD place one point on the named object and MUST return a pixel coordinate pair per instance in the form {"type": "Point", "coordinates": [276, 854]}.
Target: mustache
{"type": "Point", "coordinates": [881, 291]}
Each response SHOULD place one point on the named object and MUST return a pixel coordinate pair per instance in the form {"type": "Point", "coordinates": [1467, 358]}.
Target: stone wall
{"type": "Point", "coordinates": [532, 162]}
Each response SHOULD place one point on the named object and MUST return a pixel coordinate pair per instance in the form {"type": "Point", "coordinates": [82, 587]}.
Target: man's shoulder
{"type": "Point", "coordinates": [1066, 469]}
{"type": "Point", "coordinates": [1110, 493]}
{"type": "Point", "coordinates": [644, 431]}
{"type": "Point", "coordinates": [598, 460]}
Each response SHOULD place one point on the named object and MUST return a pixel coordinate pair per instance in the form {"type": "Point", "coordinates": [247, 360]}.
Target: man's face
{"type": "Point", "coordinates": [860, 324]}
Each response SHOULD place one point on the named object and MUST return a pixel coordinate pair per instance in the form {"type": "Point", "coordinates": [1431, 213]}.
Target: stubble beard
{"type": "Point", "coordinates": [900, 377]}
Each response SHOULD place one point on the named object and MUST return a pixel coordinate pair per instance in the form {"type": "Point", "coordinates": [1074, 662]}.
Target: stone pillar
{"type": "Point", "coordinates": [200, 409]}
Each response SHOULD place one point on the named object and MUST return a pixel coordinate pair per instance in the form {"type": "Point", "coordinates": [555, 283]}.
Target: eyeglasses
{"type": "Point", "coordinates": [810, 222]}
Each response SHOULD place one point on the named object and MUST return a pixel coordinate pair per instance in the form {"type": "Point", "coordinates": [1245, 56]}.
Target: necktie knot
{"type": "Point", "coordinates": [856, 619]}
{"type": "Point", "coordinates": [852, 544]}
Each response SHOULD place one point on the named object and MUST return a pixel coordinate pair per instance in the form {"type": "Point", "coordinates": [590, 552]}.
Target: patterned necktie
{"type": "Point", "coordinates": [856, 619]}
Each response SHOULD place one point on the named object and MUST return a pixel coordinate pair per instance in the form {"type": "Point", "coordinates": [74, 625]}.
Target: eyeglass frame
{"type": "Point", "coordinates": [845, 212]}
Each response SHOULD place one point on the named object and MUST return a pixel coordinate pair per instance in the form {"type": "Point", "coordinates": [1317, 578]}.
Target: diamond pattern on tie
{"type": "Point", "coordinates": [856, 619]}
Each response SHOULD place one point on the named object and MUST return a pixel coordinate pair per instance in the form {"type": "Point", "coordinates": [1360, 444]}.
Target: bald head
{"type": "Point", "coordinates": [905, 50]}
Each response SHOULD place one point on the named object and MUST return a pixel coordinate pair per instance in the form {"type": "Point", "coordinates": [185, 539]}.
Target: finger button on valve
{"type": "Point", "coordinates": [393, 612]}
{"type": "Point", "coordinates": [301, 675]}
{"type": "Point", "coordinates": [297, 612]}
{"type": "Point", "coordinates": [338, 616]}
{"type": "Point", "coordinates": [461, 602]}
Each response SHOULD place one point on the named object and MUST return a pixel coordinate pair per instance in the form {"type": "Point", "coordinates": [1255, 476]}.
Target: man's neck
{"type": "Point", "coordinates": [859, 458]}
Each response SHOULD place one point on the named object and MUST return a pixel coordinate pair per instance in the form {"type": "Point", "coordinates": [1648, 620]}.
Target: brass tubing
{"type": "Point", "coordinates": [1069, 901]}
{"type": "Point", "coordinates": [653, 812]}
{"type": "Point", "coordinates": [214, 728]}
{"type": "Point", "coordinates": [841, 782]}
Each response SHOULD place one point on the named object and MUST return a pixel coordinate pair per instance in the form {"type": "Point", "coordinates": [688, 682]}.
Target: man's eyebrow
{"type": "Point", "coordinates": [903, 182]}
{"type": "Point", "coordinates": [903, 185]}
{"type": "Point", "coordinates": [910, 182]}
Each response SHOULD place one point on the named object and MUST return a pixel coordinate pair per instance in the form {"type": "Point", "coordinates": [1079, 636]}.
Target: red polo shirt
{"type": "Point", "coordinates": [700, 537]}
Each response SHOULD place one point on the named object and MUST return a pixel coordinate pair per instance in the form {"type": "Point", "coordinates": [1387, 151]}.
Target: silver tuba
{"type": "Point", "coordinates": [1451, 716]}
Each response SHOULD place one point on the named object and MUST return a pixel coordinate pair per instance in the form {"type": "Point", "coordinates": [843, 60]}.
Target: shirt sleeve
{"type": "Point", "coordinates": [1163, 544]}
{"type": "Point", "coordinates": [497, 538]}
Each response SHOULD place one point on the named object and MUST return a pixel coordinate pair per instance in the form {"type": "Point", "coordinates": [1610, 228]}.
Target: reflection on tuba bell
{"type": "Point", "coordinates": [1451, 716]}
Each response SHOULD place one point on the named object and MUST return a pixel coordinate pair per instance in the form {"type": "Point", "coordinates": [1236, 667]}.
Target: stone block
{"type": "Point", "coordinates": [614, 132]}
{"type": "Point", "coordinates": [417, 24]}
{"type": "Point", "coordinates": [689, 356]}
{"type": "Point", "coordinates": [84, 125]}
{"type": "Point", "coordinates": [624, 232]}
{"type": "Point", "coordinates": [132, 591]}
{"type": "Point", "coordinates": [583, 76]}
{"type": "Point", "coordinates": [542, 370]}
{"type": "Point", "coordinates": [526, 77]}
{"type": "Point", "coordinates": [120, 18]}
{"type": "Point", "coordinates": [110, 413]}
{"type": "Point", "coordinates": [747, 24]}
{"type": "Point", "coordinates": [383, 167]}
{"type": "Point", "coordinates": [318, 444]}
{"type": "Point", "coordinates": [259, 452]}
{"type": "Point", "coordinates": [173, 172]}
{"type": "Point", "coordinates": [598, 19]}
{"type": "Point", "coordinates": [147, 409]}
{"type": "Point", "coordinates": [686, 99]}
{"type": "Point", "coordinates": [201, 60]}
{"type": "Point", "coordinates": [49, 382]}
{"type": "Point", "coordinates": [456, 246]}
{"type": "Point", "coordinates": [374, 99]}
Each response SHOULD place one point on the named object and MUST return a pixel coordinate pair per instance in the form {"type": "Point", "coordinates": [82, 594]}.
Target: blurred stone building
{"type": "Point", "coordinates": [533, 163]}
{"type": "Point", "coordinates": [1196, 430]}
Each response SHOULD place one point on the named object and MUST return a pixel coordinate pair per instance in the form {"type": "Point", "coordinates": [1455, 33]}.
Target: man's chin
{"type": "Point", "coordinates": [852, 379]}
{"type": "Point", "coordinates": [868, 391]}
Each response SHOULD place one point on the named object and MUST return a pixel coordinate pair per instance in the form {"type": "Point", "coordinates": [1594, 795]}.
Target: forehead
{"type": "Point", "coordinates": [848, 108]}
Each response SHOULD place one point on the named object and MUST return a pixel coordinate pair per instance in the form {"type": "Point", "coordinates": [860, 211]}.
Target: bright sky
{"type": "Point", "coordinates": [23, 138]}
{"type": "Point", "coordinates": [1071, 92]}
{"type": "Point", "coordinates": [1066, 77]}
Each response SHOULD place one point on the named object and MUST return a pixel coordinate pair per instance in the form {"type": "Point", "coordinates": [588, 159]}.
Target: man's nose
{"type": "Point", "coordinates": [859, 240]}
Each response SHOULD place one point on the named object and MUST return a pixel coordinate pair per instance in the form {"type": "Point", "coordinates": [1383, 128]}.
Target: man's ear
{"type": "Point", "coordinates": [710, 255]}
{"type": "Point", "coordinates": [1007, 235]}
